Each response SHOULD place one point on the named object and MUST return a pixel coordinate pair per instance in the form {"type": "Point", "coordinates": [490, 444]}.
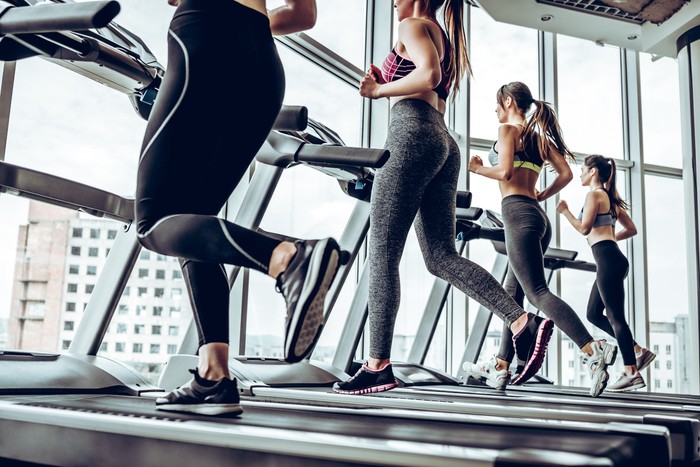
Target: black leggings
{"type": "Point", "coordinates": [608, 293]}
{"type": "Point", "coordinates": [220, 95]}
{"type": "Point", "coordinates": [528, 233]}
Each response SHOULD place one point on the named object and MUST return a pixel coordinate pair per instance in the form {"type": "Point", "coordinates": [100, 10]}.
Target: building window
{"type": "Point", "coordinates": [119, 347]}
{"type": "Point", "coordinates": [172, 349]}
{"type": "Point", "coordinates": [571, 363]}
{"type": "Point", "coordinates": [174, 311]}
{"type": "Point", "coordinates": [72, 288]}
{"type": "Point", "coordinates": [657, 364]}
{"type": "Point", "coordinates": [173, 330]}
{"type": "Point", "coordinates": [127, 291]}
{"type": "Point", "coordinates": [121, 328]}
{"type": "Point", "coordinates": [158, 292]}
{"type": "Point", "coordinates": [68, 325]}
{"type": "Point", "coordinates": [176, 292]}
{"type": "Point", "coordinates": [92, 270]}
{"type": "Point", "coordinates": [93, 252]}
{"type": "Point", "coordinates": [77, 232]}
{"type": "Point", "coordinates": [73, 269]}
{"type": "Point", "coordinates": [70, 306]}
{"type": "Point", "coordinates": [155, 330]}
{"type": "Point", "coordinates": [668, 365]}
{"type": "Point", "coordinates": [143, 273]}
{"type": "Point", "coordinates": [94, 233]}
{"type": "Point", "coordinates": [668, 350]}
{"type": "Point", "coordinates": [138, 310]}
{"type": "Point", "coordinates": [160, 258]}
{"type": "Point", "coordinates": [103, 347]}
{"type": "Point", "coordinates": [142, 291]}
{"type": "Point", "coordinates": [155, 348]}
{"type": "Point", "coordinates": [657, 384]}
{"type": "Point", "coordinates": [65, 344]}
{"type": "Point", "coordinates": [89, 288]}
{"type": "Point", "coordinates": [111, 234]}
{"type": "Point", "coordinates": [656, 349]}
{"type": "Point", "coordinates": [75, 251]}
{"type": "Point", "coordinates": [137, 348]}
{"type": "Point", "coordinates": [138, 328]}
{"type": "Point", "coordinates": [669, 384]}
{"type": "Point", "coordinates": [145, 254]}
{"type": "Point", "coordinates": [157, 311]}
{"type": "Point", "coordinates": [177, 274]}
{"type": "Point", "coordinates": [160, 273]}
{"type": "Point", "coordinates": [123, 309]}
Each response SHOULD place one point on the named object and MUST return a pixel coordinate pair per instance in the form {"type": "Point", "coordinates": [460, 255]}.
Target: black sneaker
{"type": "Point", "coordinates": [530, 345]}
{"type": "Point", "coordinates": [304, 285]}
{"type": "Point", "coordinates": [196, 396]}
{"type": "Point", "coordinates": [367, 380]}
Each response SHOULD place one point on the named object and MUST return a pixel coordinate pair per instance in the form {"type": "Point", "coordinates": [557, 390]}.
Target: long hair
{"type": "Point", "coordinates": [453, 18]}
{"type": "Point", "coordinates": [542, 125]}
{"type": "Point", "coordinates": [607, 171]}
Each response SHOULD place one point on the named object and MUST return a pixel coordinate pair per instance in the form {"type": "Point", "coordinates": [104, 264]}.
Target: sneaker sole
{"type": "Point", "coordinates": [309, 316]}
{"type": "Point", "coordinates": [373, 389]}
{"type": "Point", "coordinates": [479, 376]}
{"type": "Point", "coordinates": [629, 388]}
{"type": "Point", "coordinates": [203, 409]}
{"type": "Point", "coordinates": [544, 334]}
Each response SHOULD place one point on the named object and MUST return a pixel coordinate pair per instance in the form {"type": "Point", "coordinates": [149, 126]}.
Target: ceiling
{"type": "Point", "coordinates": [645, 25]}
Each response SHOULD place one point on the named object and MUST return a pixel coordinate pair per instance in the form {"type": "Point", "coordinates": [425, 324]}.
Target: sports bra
{"type": "Point", "coordinates": [601, 220]}
{"type": "Point", "coordinates": [396, 67]}
{"type": "Point", "coordinates": [526, 158]}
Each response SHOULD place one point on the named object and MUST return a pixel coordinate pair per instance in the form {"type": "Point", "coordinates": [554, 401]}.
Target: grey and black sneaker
{"type": "Point", "coordinates": [304, 285]}
{"type": "Point", "coordinates": [531, 345]}
{"type": "Point", "coordinates": [627, 383]}
{"type": "Point", "coordinates": [603, 355]}
{"type": "Point", "coordinates": [488, 373]}
{"type": "Point", "coordinates": [200, 396]}
{"type": "Point", "coordinates": [367, 380]}
{"type": "Point", "coordinates": [644, 358]}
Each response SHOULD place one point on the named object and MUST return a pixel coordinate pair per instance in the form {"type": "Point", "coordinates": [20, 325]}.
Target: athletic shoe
{"type": "Point", "coordinates": [644, 359]}
{"type": "Point", "coordinates": [627, 383]}
{"type": "Point", "coordinates": [196, 396]}
{"type": "Point", "coordinates": [531, 344]}
{"type": "Point", "coordinates": [304, 285]}
{"type": "Point", "coordinates": [367, 380]}
{"type": "Point", "coordinates": [603, 355]}
{"type": "Point", "coordinates": [488, 373]}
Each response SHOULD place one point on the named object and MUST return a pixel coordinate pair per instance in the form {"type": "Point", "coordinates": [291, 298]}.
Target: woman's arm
{"type": "Point", "coordinates": [628, 227]}
{"type": "Point", "coordinates": [503, 171]}
{"type": "Point", "coordinates": [564, 175]}
{"type": "Point", "coordinates": [415, 37]}
{"type": "Point", "coordinates": [295, 16]}
{"type": "Point", "coordinates": [590, 210]}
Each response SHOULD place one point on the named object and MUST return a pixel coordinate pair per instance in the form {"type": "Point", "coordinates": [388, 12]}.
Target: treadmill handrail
{"type": "Point", "coordinates": [282, 150]}
{"type": "Point", "coordinates": [57, 17]}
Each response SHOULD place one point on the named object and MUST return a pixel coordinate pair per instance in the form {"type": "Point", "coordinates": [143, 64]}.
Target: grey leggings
{"type": "Point", "coordinates": [528, 233]}
{"type": "Point", "coordinates": [420, 178]}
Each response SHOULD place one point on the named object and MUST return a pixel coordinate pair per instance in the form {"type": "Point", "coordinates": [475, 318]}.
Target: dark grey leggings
{"type": "Point", "coordinates": [608, 293]}
{"type": "Point", "coordinates": [528, 233]}
{"type": "Point", "coordinates": [420, 177]}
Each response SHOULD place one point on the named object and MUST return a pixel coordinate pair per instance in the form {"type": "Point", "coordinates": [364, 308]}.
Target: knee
{"type": "Point", "coordinates": [435, 263]}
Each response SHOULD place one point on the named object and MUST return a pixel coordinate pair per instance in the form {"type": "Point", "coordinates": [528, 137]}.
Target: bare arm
{"type": "Point", "coordinates": [503, 171]}
{"type": "Point", "coordinates": [415, 37]}
{"type": "Point", "coordinates": [295, 16]}
{"type": "Point", "coordinates": [628, 227]}
{"type": "Point", "coordinates": [564, 176]}
{"type": "Point", "coordinates": [590, 210]}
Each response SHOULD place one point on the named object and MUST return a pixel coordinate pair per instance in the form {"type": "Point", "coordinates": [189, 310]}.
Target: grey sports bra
{"type": "Point", "coordinates": [526, 158]}
{"type": "Point", "coordinates": [601, 219]}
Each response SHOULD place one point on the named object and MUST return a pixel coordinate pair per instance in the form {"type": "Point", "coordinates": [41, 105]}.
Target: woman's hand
{"type": "Point", "coordinates": [475, 163]}
{"type": "Point", "coordinates": [562, 206]}
{"type": "Point", "coordinates": [377, 73]}
{"type": "Point", "coordinates": [369, 87]}
{"type": "Point", "coordinates": [174, 2]}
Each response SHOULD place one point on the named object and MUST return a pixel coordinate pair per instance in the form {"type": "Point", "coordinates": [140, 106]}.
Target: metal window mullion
{"type": "Point", "coordinates": [6, 91]}
{"type": "Point", "coordinates": [637, 299]}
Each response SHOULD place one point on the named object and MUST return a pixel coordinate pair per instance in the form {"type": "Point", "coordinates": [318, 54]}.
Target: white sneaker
{"type": "Point", "coordinates": [603, 355]}
{"type": "Point", "coordinates": [487, 372]}
{"type": "Point", "coordinates": [644, 358]}
{"type": "Point", "coordinates": [627, 383]}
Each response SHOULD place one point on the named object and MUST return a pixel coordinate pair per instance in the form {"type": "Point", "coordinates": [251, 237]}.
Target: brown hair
{"type": "Point", "coordinates": [453, 17]}
{"type": "Point", "coordinates": [607, 176]}
{"type": "Point", "coordinates": [542, 123]}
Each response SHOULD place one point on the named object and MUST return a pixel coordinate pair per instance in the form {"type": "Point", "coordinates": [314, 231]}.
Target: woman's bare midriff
{"type": "Point", "coordinates": [523, 182]}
